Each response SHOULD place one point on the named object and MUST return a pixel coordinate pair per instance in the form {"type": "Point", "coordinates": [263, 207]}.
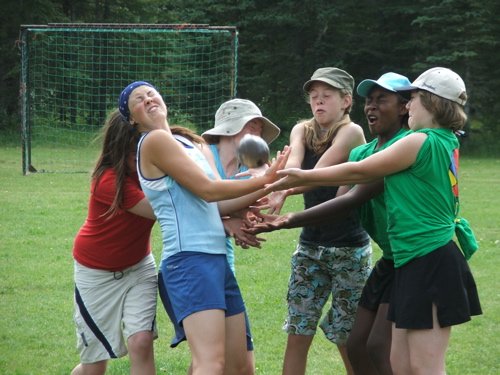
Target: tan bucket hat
{"type": "Point", "coordinates": [233, 115]}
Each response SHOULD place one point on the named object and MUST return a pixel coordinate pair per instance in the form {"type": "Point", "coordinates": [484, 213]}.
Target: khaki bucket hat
{"type": "Point", "coordinates": [233, 115]}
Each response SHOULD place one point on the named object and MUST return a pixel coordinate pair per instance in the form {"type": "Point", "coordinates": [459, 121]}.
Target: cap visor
{"type": "Point", "coordinates": [365, 87]}
{"type": "Point", "coordinates": [406, 88]}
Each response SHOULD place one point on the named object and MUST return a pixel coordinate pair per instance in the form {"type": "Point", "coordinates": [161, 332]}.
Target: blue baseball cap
{"type": "Point", "coordinates": [124, 96]}
{"type": "Point", "coordinates": [388, 81]}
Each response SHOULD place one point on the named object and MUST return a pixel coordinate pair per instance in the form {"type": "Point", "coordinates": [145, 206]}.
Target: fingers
{"type": "Point", "coordinates": [247, 240]}
{"type": "Point", "coordinates": [242, 174]}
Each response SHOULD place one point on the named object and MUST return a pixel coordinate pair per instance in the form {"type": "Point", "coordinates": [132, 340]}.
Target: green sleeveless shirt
{"type": "Point", "coordinates": [422, 201]}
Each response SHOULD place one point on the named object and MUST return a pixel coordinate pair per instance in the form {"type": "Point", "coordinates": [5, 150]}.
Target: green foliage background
{"type": "Point", "coordinates": [283, 42]}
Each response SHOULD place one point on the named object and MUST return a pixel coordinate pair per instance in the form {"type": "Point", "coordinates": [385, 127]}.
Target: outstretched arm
{"type": "Point", "coordinates": [397, 157]}
{"type": "Point", "coordinates": [328, 212]}
{"type": "Point", "coordinates": [161, 154]}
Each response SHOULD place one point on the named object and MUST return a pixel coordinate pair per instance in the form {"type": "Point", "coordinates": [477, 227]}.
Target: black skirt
{"type": "Point", "coordinates": [442, 277]}
{"type": "Point", "coordinates": [378, 287]}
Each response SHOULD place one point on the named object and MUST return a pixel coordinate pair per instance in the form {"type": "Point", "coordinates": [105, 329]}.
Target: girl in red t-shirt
{"type": "Point", "coordinates": [115, 272]}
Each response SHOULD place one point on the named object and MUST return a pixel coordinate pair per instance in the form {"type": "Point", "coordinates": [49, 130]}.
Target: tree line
{"type": "Point", "coordinates": [282, 42]}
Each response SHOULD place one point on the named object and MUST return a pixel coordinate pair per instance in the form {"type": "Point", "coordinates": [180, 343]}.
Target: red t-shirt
{"type": "Point", "coordinates": [120, 241]}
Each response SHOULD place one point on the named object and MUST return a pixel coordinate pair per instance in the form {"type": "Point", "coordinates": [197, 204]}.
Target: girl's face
{"type": "Point", "coordinates": [253, 127]}
{"type": "Point", "coordinates": [420, 118]}
{"type": "Point", "coordinates": [383, 111]}
{"type": "Point", "coordinates": [327, 105]}
{"type": "Point", "coordinates": [146, 106]}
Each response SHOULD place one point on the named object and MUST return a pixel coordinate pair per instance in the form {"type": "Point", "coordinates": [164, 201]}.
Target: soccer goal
{"type": "Point", "coordinates": [72, 75]}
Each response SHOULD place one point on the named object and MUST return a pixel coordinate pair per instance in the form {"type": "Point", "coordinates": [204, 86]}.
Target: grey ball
{"type": "Point", "coordinates": [253, 151]}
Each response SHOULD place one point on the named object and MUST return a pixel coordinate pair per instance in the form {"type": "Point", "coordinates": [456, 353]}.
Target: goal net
{"type": "Point", "coordinates": [72, 75]}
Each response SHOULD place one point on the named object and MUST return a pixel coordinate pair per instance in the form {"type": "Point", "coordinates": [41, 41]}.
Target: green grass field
{"type": "Point", "coordinates": [41, 213]}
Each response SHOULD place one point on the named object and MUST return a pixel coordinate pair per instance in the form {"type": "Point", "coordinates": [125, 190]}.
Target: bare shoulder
{"type": "Point", "coordinates": [351, 134]}
{"type": "Point", "coordinates": [352, 127]}
{"type": "Point", "coordinates": [298, 128]}
{"type": "Point", "coordinates": [157, 134]}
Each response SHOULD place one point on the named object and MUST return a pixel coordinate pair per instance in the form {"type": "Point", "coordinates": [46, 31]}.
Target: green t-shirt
{"type": "Point", "coordinates": [373, 214]}
{"type": "Point", "coordinates": [422, 201]}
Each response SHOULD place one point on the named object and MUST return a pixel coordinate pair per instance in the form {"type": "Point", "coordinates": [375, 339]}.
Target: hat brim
{"type": "Point", "coordinates": [365, 87]}
{"type": "Point", "coordinates": [269, 130]}
{"type": "Point", "coordinates": [406, 88]}
{"type": "Point", "coordinates": [308, 84]}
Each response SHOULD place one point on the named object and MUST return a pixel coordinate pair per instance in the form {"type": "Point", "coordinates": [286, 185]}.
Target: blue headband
{"type": "Point", "coordinates": [123, 100]}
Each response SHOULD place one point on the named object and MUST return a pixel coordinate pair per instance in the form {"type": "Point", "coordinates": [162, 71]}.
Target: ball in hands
{"type": "Point", "coordinates": [253, 151]}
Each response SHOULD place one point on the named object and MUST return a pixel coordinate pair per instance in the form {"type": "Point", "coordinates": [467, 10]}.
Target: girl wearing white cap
{"type": "Point", "coordinates": [331, 262]}
{"type": "Point", "coordinates": [180, 185]}
{"type": "Point", "coordinates": [433, 288]}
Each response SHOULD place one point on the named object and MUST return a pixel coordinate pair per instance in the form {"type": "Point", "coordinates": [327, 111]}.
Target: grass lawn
{"type": "Point", "coordinates": [41, 213]}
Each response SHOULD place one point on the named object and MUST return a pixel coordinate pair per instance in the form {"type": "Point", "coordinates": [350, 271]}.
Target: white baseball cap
{"type": "Point", "coordinates": [233, 115]}
{"type": "Point", "coordinates": [440, 81]}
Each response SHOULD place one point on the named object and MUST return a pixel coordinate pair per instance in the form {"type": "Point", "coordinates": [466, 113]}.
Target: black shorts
{"type": "Point", "coordinates": [378, 287]}
{"type": "Point", "coordinates": [442, 277]}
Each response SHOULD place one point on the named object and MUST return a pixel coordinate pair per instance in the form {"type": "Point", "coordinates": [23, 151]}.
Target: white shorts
{"type": "Point", "coordinates": [105, 300]}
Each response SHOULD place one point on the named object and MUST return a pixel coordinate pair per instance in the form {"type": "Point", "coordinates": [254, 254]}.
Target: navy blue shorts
{"type": "Point", "coordinates": [180, 335]}
{"type": "Point", "coordinates": [199, 281]}
{"type": "Point", "coordinates": [442, 277]}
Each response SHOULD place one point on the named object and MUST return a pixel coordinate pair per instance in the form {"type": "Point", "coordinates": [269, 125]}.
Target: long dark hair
{"type": "Point", "coordinates": [119, 139]}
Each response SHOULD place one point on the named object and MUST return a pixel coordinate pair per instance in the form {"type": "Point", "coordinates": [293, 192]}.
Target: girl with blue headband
{"type": "Point", "coordinates": [180, 185]}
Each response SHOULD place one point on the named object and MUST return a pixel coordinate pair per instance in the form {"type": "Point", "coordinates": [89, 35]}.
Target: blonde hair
{"type": "Point", "coordinates": [446, 112]}
{"type": "Point", "coordinates": [312, 130]}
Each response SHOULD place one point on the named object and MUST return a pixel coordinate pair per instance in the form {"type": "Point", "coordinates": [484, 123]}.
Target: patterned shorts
{"type": "Point", "coordinates": [317, 273]}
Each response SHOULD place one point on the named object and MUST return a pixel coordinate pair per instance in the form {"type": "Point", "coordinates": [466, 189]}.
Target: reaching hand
{"type": "Point", "coordinates": [292, 177]}
{"type": "Point", "coordinates": [254, 172]}
{"type": "Point", "coordinates": [270, 223]}
{"type": "Point", "coordinates": [277, 200]}
{"type": "Point", "coordinates": [234, 228]}
{"type": "Point", "coordinates": [278, 163]}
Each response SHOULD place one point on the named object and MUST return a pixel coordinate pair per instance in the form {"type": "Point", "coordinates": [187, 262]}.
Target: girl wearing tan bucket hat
{"type": "Point", "coordinates": [234, 119]}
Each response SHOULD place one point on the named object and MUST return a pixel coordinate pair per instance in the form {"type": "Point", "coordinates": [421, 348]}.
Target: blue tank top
{"type": "Point", "coordinates": [220, 169]}
{"type": "Point", "coordinates": [187, 222]}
